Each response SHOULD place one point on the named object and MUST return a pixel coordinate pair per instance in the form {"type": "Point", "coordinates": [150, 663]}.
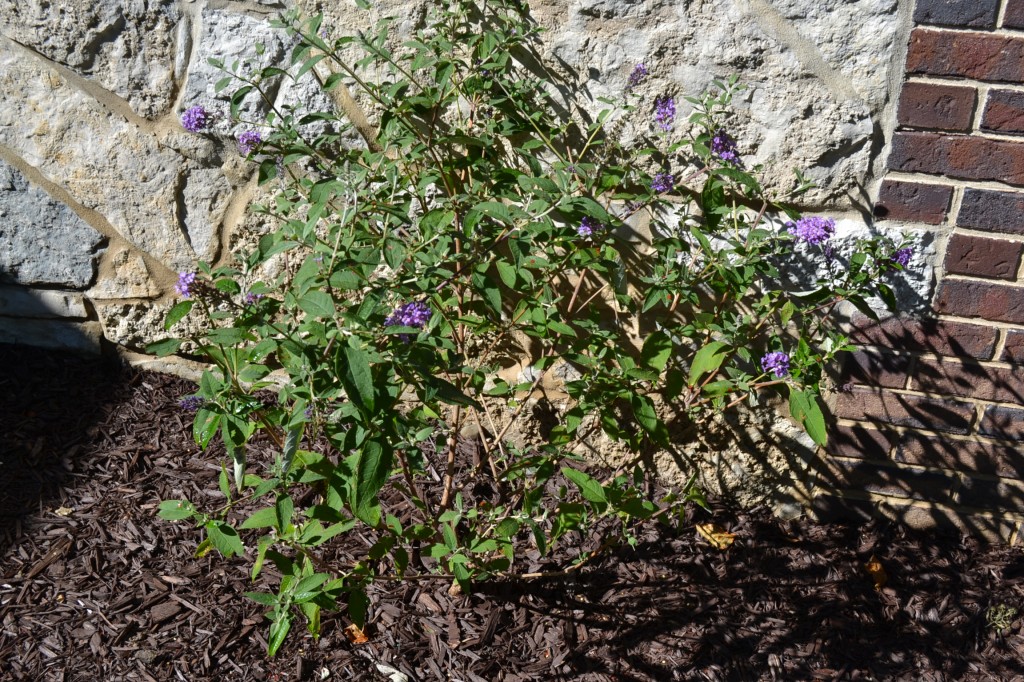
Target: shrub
{"type": "Point", "coordinates": [484, 220]}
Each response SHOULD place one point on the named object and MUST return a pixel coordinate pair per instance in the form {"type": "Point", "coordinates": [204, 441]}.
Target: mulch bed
{"type": "Point", "coordinates": [93, 586]}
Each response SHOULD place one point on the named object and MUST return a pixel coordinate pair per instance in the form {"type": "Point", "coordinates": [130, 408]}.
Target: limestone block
{"type": "Point", "coordinates": [127, 46]}
{"type": "Point", "coordinates": [42, 241]}
{"type": "Point", "coordinates": [105, 163]}
{"type": "Point", "coordinates": [206, 196]}
{"type": "Point", "coordinates": [229, 37]}
{"type": "Point", "coordinates": [83, 337]}
{"type": "Point", "coordinates": [135, 325]}
{"type": "Point", "coordinates": [816, 74]}
{"type": "Point", "coordinates": [41, 303]}
{"type": "Point", "coordinates": [123, 275]}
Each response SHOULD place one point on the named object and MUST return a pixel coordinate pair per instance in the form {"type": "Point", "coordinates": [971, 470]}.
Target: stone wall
{"type": "Point", "coordinates": [104, 197]}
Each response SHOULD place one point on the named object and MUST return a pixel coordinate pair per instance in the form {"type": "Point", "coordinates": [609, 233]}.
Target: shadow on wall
{"type": "Point", "coordinates": [930, 434]}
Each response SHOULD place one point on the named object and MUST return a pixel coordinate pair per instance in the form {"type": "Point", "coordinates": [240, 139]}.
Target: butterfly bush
{"type": "Point", "coordinates": [482, 211]}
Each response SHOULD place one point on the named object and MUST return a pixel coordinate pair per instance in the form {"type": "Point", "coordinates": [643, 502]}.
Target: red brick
{"type": "Point", "coordinates": [958, 156]}
{"type": "Point", "coordinates": [1004, 112]}
{"type": "Point", "coordinates": [943, 337]}
{"type": "Point", "coordinates": [1013, 349]}
{"type": "Point", "coordinates": [971, 456]}
{"type": "Point", "coordinates": [970, 380]}
{"type": "Point", "coordinates": [983, 209]}
{"type": "Point", "coordinates": [912, 201]}
{"type": "Point", "coordinates": [874, 477]}
{"type": "Point", "coordinates": [875, 369]}
{"type": "Point", "coordinates": [1006, 423]}
{"type": "Point", "coordinates": [912, 411]}
{"type": "Point", "coordinates": [1013, 17]}
{"type": "Point", "coordinates": [927, 105]}
{"type": "Point", "coordinates": [858, 441]}
{"type": "Point", "coordinates": [981, 257]}
{"type": "Point", "coordinates": [960, 13]}
{"type": "Point", "coordinates": [991, 494]}
{"type": "Point", "coordinates": [969, 55]}
{"type": "Point", "coordinates": [995, 302]}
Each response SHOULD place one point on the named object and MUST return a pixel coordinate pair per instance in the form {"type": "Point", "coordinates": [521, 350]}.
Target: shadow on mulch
{"type": "Point", "coordinates": [94, 587]}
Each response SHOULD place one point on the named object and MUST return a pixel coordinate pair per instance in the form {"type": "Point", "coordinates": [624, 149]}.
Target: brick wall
{"type": "Point", "coordinates": [930, 418]}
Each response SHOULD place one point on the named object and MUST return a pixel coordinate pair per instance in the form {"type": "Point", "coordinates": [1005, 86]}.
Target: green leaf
{"type": "Point", "coordinates": [712, 199]}
{"type": "Point", "coordinates": [317, 303]}
{"type": "Point", "coordinates": [507, 272]}
{"type": "Point", "coordinates": [262, 598]}
{"type": "Point", "coordinates": [590, 488]}
{"type": "Point", "coordinates": [656, 351]}
{"type": "Point", "coordinates": [645, 413]}
{"type": "Point", "coordinates": [176, 510]}
{"type": "Point", "coordinates": [177, 311]}
{"type": "Point", "coordinates": [708, 359]}
{"type": "Point", "coordinates": [285, 509]}
{"type": "Point", "coordinates": [263, 518]}
{"type": "Point", "coordinates": [804, 407]}
{"type": "Point", "coordinates": [358, 604]}
{"type": "Point", "coordinates": [278, 631]}
{"type": "Point", "coordinates": [165, 347]}
{"type": "Point", "coordinates": [357, 378]}
{"type": "Point", "coordinates": [373, 467]}
{"type": "Point", "coordinates": [224, 538]}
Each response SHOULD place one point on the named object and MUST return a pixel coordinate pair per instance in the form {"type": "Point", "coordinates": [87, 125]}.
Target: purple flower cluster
{"type": "Point", "coordinates": [663, 182]}
{"type": "Point", "coordinates": [724, 147]}
{"type": "Point", "coordinates": [184, 285]}
{"type": "Point", "coordinates": [191, 403]}
{"type": "Point", "coordinates": [249, 141]}
{"type": "Point", "coordinates": [636, 77]}
{"type": "Point", "coordinates": [813, 229]}
{"type": "Point", "coordinates": [664, 112]}
{"type": "Point", "coordinates": [902, 256]}
{"type": "Point", "coordinates": [196, 119]}
{"type": "Point", "coordinates": [414, 314]}
{"type": "Point", "coordinates": [776, 362]}
{"type": "Point", "coordinates": [251, 298]}
{"type": "Point", "coordinates": [587, 227]}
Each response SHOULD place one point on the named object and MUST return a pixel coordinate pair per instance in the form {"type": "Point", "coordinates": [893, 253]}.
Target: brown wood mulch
{"type": "Point", "coordinates": [93, 586]}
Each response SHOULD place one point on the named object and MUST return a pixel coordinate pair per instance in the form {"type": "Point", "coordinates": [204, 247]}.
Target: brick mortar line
{"type": "Point", "coordinates": [980, 321]}
{"type": "Point", "coordinates": [1001, 337]}
{"type": "Point", "coordinates": [896, 428]}
{"type": "Point", "coordinates": [974, 232]}
{"type": "Point", "coordinates": [963, 81]}
{"type": "Point", "coordinates": [958, 474]}
{"type": "Point", "coordinates": [979, 107]}
{"type": "Point", "coordinates": [948, 359]}
{"type": "Point", "coordinates": [989, 136]}
{"type": "Point", "coordinates": [944, 181]}
{"type": "Point", "coordinates": [967, 278]}
{"type": "Point", "coordinates": [1001, 14]}
{"type": "Point", "coordinates": [994, 33]}
{"type": "Point", "coordinates": [925, 355]}
{"type": "Point", "coordinates": [917, 393]}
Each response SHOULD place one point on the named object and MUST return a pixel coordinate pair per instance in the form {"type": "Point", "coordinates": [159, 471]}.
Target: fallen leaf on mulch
{"type": "Point", "coordinates": [718, 537]}
{"type": "Point", "coordinates": [876, 571]}
{"type": "Point", "coordinates": [355, 635]}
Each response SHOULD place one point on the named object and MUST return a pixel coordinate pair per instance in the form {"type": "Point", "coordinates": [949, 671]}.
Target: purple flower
{"type": "Point", "coordinates": [813, 229]}
{"type": "Point", "coordinates": [587, 227]}
{"type": "Point", "coordinates": [902, 256]}
{"type": "Point", "coordinates": [829, 252]}
{"type": "Point", "coordinates": [249, 141]}
{"type": "Point", "coordinates": [191, 403]}
{"type": "Point", "coordinates": [662, 182]}
{"type": "Point", "coordinates": [251, 298]}
{"type": "Point", "coordinates": [196, 119]}
{"type": "Point", "coordinates": [636, 77]}
{"type": "Point", "coordinates": [664, 112]}
{"type": "Point", "coordinates": [184, 285]}
{"type": "Point", "coordinates": [776, 362]}
{"type": "Point", "coordinates": [724, 147]}
{"type": "Point", "coordinates": [414, 314]}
